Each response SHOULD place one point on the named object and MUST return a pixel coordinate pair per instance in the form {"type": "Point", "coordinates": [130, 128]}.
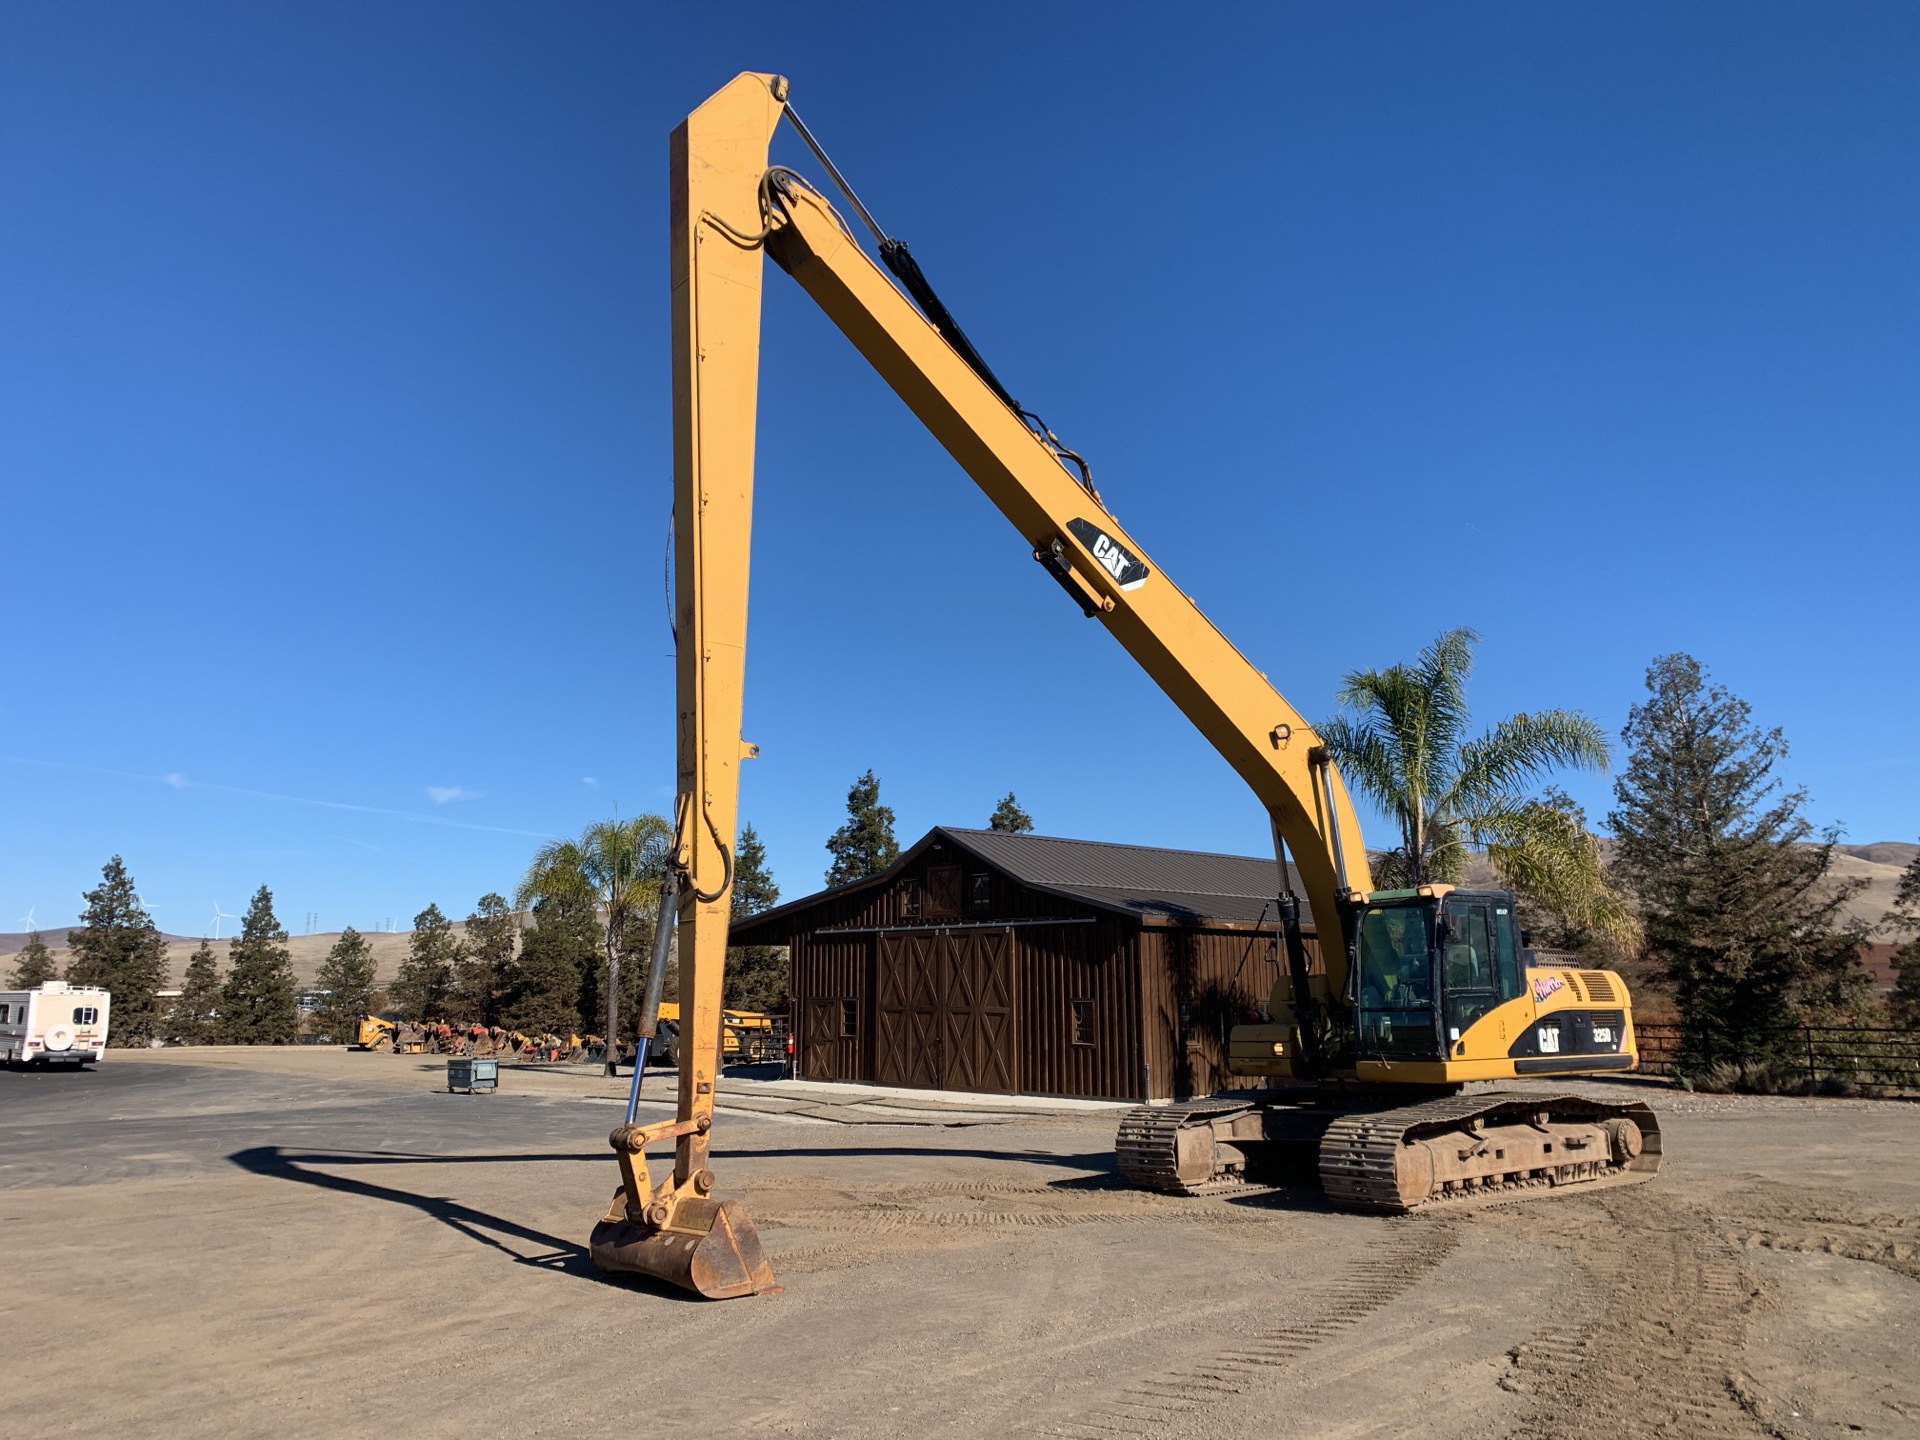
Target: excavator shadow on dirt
{"type": "Point", "coordinates": [496, 1232]}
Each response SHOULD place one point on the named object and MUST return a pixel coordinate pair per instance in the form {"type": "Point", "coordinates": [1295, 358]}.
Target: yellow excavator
{"type": "Point", "coordinates": [1373, 1056]}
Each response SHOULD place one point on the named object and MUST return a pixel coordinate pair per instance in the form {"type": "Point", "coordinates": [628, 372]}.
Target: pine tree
{"type": "Point", "coordinates": [259, 1002]}
{"type": "Point", "coordinates": [756, 974]}
{"type": "Point", "coordinates": [347, 978]}
{"type": "Point", "coordinates": [559, 961]}
{"type": "Point", "coordinates": [1904, 919]}
{"type": "Point", "coordinates": [1742, 914]}
{"type": "Point", "coordinates": [117, 948]}
{"type": "Point", "coordinates": [34, 964]}
{"type": "Point", "coordinates": [487, 973]}
{"type": "Point", "coordinates": [864, 845]}
{"type": "Point", "coordinates": [1009, 817]}
{"type": "Point", "coordinates": [424, 985]}
{"type": "Point", "coordinates": [194, 1016]}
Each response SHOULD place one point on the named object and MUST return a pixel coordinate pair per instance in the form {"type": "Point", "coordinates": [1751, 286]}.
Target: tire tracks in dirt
{"type": "Point", "coordinates": [1667, 1301]}
{"type": "Point", "coordinates": [888, 1218]}
{"type": "Point", "coordinates": [1778, 1218]}
{"type": "Point", "coordinates": [1148, 1404]}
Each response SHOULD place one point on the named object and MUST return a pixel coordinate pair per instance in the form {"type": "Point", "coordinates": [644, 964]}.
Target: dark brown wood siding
{"type": "Point", "coordinates": [837, 971]}
{"type": "Point", "coordinates": [1196, 983]}
{"type": "Point", "coordinates": [1093, 965]}
{"type": "Point", "coordinates": [927, 989]}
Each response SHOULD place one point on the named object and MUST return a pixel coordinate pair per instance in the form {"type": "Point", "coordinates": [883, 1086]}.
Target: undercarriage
{"type": "Point", "coordinates": [1387, 1151]}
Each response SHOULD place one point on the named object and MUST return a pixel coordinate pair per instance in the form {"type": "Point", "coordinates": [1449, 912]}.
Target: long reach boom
{"type": "Point", "coordinates": [728, 209]}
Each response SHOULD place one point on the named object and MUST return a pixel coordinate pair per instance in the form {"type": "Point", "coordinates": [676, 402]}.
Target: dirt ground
{"type": "Point", "coordinates": [307, 1242]}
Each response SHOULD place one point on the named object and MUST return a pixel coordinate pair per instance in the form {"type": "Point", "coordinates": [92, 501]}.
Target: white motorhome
{"type": "Point", "coordinates": [57, 1024]}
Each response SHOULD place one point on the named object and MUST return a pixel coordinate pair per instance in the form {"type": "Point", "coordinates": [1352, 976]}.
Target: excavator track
{"type": "Point", "coordinates": [1379, 1160]}
{"type": "Point", "coordinates": [1148, 1145]}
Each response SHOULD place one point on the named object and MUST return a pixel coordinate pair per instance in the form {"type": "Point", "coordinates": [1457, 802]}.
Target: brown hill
{"type": "Point", "coordinates": [1898, 853]}
{"type": "Point", "coordinates": [308, 951]}
{"type": "Point", "coordinates": [1879, 864]}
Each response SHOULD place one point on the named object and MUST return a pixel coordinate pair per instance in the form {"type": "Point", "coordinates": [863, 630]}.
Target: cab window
{"type": "Point", "coordinates": [1396, 982]}
{"type": "Point", "coordinates": [1506, 953]}
{"type": "Point", "coordinates": [1471, 988]}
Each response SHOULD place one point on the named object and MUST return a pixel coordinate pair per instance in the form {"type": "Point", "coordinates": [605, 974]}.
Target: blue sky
{"type": "Point", "coordinates": [334, 457]}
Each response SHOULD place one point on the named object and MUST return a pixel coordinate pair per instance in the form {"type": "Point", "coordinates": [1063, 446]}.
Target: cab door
{"type": "Point", "coordinates": [1469, 972]}
{"type": "Point", "coordinates": [1397, 1016]}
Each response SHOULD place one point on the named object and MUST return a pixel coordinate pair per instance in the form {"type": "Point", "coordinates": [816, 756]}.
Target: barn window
{"type": "Point", "coordinates": [849, 1018]}
{"type": "Point", "coordinates": [1083, 1022]}
{"type": "Point", "coordinates": [910, 898]}
{"type": "Point", "coordinates": [979, 893]}
{"type": "Point", "coordinates": [943, 892]}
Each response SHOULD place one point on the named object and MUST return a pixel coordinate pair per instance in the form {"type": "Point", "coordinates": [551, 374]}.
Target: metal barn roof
{"type": "Point", "coordinates": [1179, 886]}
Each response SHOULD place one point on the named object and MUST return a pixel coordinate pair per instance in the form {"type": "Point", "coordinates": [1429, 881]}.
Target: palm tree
{"type": "Point", "coordinates": [1407, 749]}
{"type": "Point", "coordinates": [615, 866]}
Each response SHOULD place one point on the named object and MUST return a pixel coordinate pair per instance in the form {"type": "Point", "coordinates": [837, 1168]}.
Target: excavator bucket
{"type": "Point", "coordinates": [711, 1248]}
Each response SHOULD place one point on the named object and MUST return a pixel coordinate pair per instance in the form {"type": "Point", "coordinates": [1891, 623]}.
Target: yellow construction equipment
{"type": "Point", "coordinates": [386, 1034]}
{"type": "Point", "coordinates": [746, 1036]}
{"type": "Point", "coordinates": [1422, 996]}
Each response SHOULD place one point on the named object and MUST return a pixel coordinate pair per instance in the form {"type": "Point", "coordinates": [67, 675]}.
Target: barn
{"type": "Point", "coordinates": [988, 961]}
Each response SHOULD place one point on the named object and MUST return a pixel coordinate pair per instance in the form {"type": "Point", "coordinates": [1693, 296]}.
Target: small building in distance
{"type": "Point", "coordinates": [988, 961]}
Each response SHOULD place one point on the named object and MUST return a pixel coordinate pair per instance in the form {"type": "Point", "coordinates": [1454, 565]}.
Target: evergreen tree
{"type": "Point", "coordinates": [117, 948]}
{"type": "Point", "coordinates": [864, 845]}
{"type": "Point", "coordinates": [34, 964]}
{"type": "Point", "coordinates": [559, 962]}
{"type": "Point", "coordinates": [1742, 914]}
{"type": "Point", "coordinates": [424, 985]}
{"type": "Point", "coordinates": [1008, 816]}
{"type": "Point", "coordinates": [194, 1016]}
{"type": "Point", "coordinates": [487, 974]}
{"type": "Point", "coordinates": [259, 1002]}
{"type": "Point", "coordinates": [1904, 919]}
{"type": "Point", "coordinates": [756, 974]}
{"type": "Point", "coordinates": [347, 977]}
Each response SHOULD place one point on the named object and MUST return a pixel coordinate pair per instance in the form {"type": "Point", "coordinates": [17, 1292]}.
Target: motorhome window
{"type": "Point", "coordinates": [85, 1015]}
{"type": "Point", "coordinates": [3, 1015]}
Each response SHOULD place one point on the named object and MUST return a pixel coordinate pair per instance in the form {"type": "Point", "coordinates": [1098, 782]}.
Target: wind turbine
{"type": "Point", "coordinates": [218, 916]}
{"type": "Point", "coordinates": [27, 919]}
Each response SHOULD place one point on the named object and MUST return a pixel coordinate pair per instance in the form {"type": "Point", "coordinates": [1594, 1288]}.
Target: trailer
{"type": "Point", "coordinates": [55, 1024]}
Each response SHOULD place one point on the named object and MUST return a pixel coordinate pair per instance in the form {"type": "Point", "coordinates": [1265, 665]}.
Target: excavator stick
{"type": "Point", "coordinates": [683, 1232]}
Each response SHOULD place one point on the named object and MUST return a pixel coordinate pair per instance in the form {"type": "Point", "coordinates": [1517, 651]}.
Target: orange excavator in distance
{"type": "Point", "coordinates": [1380, 1060]}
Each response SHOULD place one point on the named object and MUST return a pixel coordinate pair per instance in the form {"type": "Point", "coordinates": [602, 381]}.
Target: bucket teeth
{"type": "Point", "coordinates": [709, 1247]}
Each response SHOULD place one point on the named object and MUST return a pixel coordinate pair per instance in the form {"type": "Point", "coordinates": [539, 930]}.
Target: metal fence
{"type": "Point", "coordinates": [1875, 1059]}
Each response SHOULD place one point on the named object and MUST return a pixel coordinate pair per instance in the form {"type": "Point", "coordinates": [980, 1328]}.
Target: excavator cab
{"type": "Point", "coordinates": [1432, 961]}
